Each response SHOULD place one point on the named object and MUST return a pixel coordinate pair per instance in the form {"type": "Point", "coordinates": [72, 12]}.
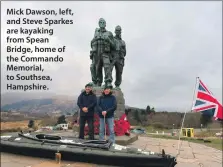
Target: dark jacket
{"type": "Point", "coordinates": [89, 101]}
{"type": "Point", "coordinates": [107, 103]}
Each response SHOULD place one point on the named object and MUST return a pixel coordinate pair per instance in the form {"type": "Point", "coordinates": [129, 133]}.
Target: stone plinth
{"type": "Point", "coordinates": [119, 97]}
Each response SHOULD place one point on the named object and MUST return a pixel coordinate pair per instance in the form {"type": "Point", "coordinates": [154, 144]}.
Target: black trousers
{"type": "Point", "coordinates": [90, 121]}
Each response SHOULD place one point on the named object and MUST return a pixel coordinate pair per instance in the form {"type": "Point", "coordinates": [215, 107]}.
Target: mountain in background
{"type": "Point", "coordinates": [38, 103]}
{"type": "Point", "coordinates": [9, 98]}
{"type": "Point", "coordinates": [47, 103]}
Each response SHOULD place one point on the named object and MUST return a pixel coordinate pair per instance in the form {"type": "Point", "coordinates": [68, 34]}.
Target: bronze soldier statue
{"type": "Point", "coordinates": [118, 56]}
{"type": "Point", "coordinates": [93, 68]}
{"type": "Point", "coordinates": [101, 44]}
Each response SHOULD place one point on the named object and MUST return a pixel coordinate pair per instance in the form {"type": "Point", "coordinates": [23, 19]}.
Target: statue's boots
{"type": "Point", "coordinates": [117, 87]}
{"type": "Point", "coordinates": [109, 85]}
{"type": "Point", "coordinates": [103, 86]}
{"type": "Point", "coordinates": [94, 84]}
{"type": "Point", "coordinates": [98, 84]}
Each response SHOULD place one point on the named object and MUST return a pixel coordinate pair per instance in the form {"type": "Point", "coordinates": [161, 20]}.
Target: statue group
{"type": "Point", "coordinates": [108, 52]}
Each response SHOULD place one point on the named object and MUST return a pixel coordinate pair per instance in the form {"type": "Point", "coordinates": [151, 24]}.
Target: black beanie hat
{"type": "Point", "coordinates": [89, 84]}
{"type": "Point", "coordinates": [108, 87]}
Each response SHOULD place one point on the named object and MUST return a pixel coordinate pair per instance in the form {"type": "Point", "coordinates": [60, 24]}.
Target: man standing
{"type": "Point", "coordinates": [118, 56]}
{"type": "Point", "coordinates": [87, 102]}
{"type": "Point", "coordinates": [101, 45]}
{"type": "Point", "coordinates": [106, 107]}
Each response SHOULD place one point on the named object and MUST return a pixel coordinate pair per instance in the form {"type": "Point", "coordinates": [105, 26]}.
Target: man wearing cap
{"type": "Point", "coordinates": [106, 107]}
{"type": "Point", "coordinates": [87, 101]}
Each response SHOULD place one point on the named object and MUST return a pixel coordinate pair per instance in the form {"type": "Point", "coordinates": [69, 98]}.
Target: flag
{"type": "Point", "coordinates": [206, 103]}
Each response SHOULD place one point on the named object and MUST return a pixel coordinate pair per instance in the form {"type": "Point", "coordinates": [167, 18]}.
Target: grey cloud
{"type": "Point", "coordinates": [168, 45]}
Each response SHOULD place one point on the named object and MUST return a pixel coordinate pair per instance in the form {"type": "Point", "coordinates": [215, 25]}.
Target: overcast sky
{"type": "Point", "coordinates": [168, 45]}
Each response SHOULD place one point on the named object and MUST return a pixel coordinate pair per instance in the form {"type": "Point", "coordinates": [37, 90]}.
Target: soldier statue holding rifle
{"type": "Point", "coordinates": [108, 52]}
{"type": "Point", "coordinates": [101, 45]}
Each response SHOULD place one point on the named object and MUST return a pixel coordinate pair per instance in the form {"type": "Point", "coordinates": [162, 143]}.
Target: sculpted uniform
{"type": "Point", "coordinates": [118, 59]}
{"type": "Point", "coordinates": [101, 45]}
{"type": "Point", "coordinates": [93, 68]}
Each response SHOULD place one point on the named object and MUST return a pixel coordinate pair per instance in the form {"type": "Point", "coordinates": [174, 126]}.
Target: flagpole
{"type": "Point", "coordinates": [197, 78]}
{"type": "Point", "coordinates": [178, 148]}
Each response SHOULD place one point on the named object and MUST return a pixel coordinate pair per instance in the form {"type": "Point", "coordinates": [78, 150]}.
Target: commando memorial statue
{"type": "Point", "coordinates": [102, 44]}
{"type": "Point", "coordinates": [118, 57]}
{"type": "Point", "coordinates": [108, 52]}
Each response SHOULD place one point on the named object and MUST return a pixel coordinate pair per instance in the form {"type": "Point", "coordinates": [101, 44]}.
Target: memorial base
{"type": "Point", "coordinates": [119, 98]}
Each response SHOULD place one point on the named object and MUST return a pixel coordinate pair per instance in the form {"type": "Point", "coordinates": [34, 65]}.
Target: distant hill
{"type": "Point", "coordinates": [39, 104]}
{"type": "Point", "coordinates": [44, 103]}
{"type": "Point", "coordinates": [9, 98]}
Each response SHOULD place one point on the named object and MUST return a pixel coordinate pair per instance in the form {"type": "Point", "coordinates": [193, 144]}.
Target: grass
{"type": "Point", "coordinates": [152, 129]}
{"type": "Point", "coordinates": [15, 126]}
{"type": "Point", "coordinates": [209, 135]}
{"type": "Point", "coordinates": [215, 142]}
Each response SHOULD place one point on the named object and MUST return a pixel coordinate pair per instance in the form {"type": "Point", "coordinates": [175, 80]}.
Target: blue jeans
{"type": "Point", "coordinates": [110, 122]}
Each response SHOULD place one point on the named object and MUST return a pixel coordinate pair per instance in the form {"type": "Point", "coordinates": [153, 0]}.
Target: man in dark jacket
{"type": "Point", "coordinates": [87, 102]}
{"type": "Point", "coordinates": [106, 107]}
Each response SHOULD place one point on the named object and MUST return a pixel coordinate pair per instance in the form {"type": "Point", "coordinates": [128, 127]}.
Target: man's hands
{"type": "Point", "coordinates": [85, 109]}
{"type": "Point", "coordinates": [104, 113]}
